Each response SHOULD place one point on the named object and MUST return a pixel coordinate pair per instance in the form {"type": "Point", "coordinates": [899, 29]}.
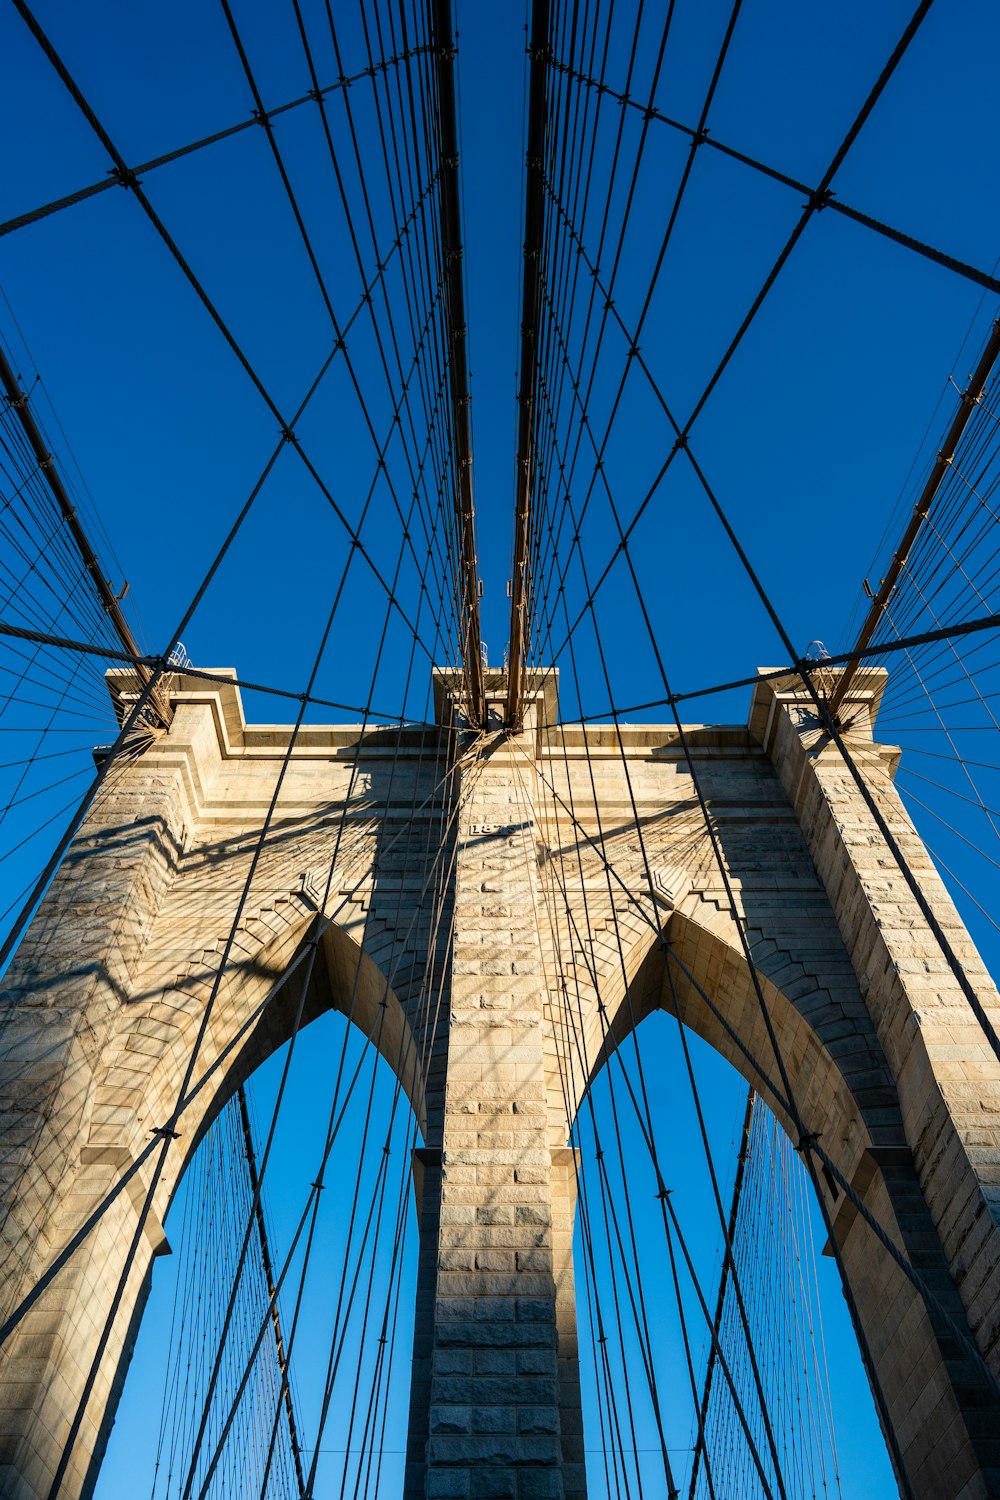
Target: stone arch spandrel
{"type": "Point", "coordinates": [845, 1093]}
{"type": "Point", "coordinates": [137, 1090]}
{"type": "Point", "coordinates": [826, 1037]}
{"type": "Point", "coordinates": [134, 1091]}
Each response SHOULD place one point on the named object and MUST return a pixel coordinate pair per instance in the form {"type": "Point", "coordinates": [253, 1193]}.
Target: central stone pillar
{"type": "Point", "coordinates": [502, 1386]}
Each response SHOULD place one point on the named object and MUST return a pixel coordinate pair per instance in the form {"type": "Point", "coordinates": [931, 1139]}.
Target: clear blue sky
{"type": "Point", "coordinates": [809, 439]}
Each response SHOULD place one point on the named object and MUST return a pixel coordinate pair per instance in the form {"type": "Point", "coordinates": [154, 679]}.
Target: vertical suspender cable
{"type": "Point", "coordinates": [458, 358]}
{"type": "Point", "coordinates": [727, 1265]}
{"type": "Point", "coordinates": [534, 223]}
{"type": "Point", "coordinates": [265, 1255]}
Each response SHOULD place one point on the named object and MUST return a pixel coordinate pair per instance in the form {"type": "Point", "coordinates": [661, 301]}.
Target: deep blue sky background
{"type": "Point", "coordinates": [809, 439]}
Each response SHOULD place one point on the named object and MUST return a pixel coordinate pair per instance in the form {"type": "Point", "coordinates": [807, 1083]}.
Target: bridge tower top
{"type": "Point", "coordinates": [539, 696]}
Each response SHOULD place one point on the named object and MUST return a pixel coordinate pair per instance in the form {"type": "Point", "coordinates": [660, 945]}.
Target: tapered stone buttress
{"type": "Point", "coordinates": [496, 1400]}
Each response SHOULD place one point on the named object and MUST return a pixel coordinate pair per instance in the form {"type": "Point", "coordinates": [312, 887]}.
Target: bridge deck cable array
{"type": "Point", "coordinates": [727, 1356]}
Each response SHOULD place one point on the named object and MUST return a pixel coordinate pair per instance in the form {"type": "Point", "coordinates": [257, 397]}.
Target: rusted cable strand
{"type": "Point", "coordinates": [458, 359]}
{"type": "Point", "coordinates": [534, 229]}
{"type": "Point", "coordinates": [968, 402]}
{"type": "Point", "coordinates": [18, 401]}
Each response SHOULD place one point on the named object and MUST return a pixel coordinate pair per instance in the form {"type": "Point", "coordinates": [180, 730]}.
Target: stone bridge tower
{"type": "Point", "coordinates": [886, 1059]}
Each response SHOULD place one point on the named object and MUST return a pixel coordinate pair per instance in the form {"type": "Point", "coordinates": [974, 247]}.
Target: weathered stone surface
{"type": "Point", "coordinates": [550, 949]}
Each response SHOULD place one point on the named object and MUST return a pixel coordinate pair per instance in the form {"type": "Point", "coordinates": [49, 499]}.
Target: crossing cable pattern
{"type": "Point", "coordinates": [940, 701]}
{"type": "Point", "coordinates": [409, 127]}
{"type": "Point", "coordinates": [682, 443]}
{"type": "Point", "coordinates": [414, 180]}
{"type": "Point", "coordinates": [741, 1425]}
{"type": "Point", "coordinates": [562, 462]}
{"type": "Point", "coordinates": [217, 1198]}
{"type": "Point", "coordinates": [772, 1245]}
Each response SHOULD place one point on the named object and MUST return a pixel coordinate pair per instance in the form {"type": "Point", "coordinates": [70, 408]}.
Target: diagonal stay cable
{"type": "Point", "coordinates": [608, 306]}
{"type": "Point", "coordinates": [318, 275]}
{"type": "Point", "coordinates": [115, 178]}
{"type": "Point", "coordinates": [131, 182]}
{"type": "Point", "coordinates": [810, 208]}
{"type": "Point", "coordinates": [704, 137]}
{"type": "Point", "coordinates": [781, 1099]}
{"type": "Point", "coordinates": [83, 1231]}
{"type": "Point", "coordinates": [133, 723]}
{"type": "Point", "coordinates": [801, 667]}
{"type": "Point", "coordinates": [167, 1132]}
{"type": "Point", "coordinates": [943, 633]}
{"type": "Point", "coordinates": [201, 674]}
{"type": "Point", "coordinates": [711, 833]}
{"type": "Point", "coordinates": [336, 1121]}
{"type": "Point", "coordinates": [805, 1141]}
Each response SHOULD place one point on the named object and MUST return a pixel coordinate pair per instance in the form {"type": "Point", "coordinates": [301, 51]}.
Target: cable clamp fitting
{"type": "Point", "coordinates": [700, 136]}
{"type": "Point", "coordinates": [808, 1141]}
{"type": "Point", "coordinates": [125, 177]}
{"type": "Point", "coordinates": [164, 1133]}
{"type": "Point", "coordinates": [818, 200]}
